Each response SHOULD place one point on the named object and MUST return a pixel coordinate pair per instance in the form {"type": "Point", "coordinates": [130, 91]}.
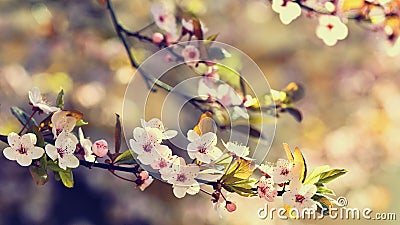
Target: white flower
{"type": "Point", "coordinates": [62, 122]}
{"type": "Point", "coordinates": [37, 100]}
{"type": "Point", "coordinates": [191, 55]}
{"type": "Point", "coordinates": [266, 189]}
{"type": "Point", "coordinates": [156, 123]}
{"type": "Point", "coordinates": [182, 177]}
{"type": "Point", "coordinates": [164, 18]}
{"type": "Point", "coordinates": [203, 148]}
{"type": "Point", "coordinates": [299, 196]}
{"type": "Point", "coordinates": [288, 10]}
{"type": "Point", "coordinates": [146, 144]}
{"type": "Point", "coordinates": [331, 29]}
{"type": "Point", "coordinates": [22, 149]}
{"type": "Point", "coordinates": [87, 146]}
{"type": "Point", "coordinates": [237, 149]}
{"type": "Point", "coordinates": [64, 150]}
{"type": "Point", "coordinates": [284, 171]}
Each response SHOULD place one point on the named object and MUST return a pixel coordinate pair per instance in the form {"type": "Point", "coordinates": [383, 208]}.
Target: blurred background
{"type": "Point", "coordinates": [351, 109]}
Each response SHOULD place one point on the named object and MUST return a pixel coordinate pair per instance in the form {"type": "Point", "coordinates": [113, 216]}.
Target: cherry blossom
{"type": "Point", "coordinates": [284, 171]}
{"type": "Point", "coordinates": [22, 149]}
{"type": "Point", "coordinates": [191, 55]}
{"type": "Point", "coordinates": [36, 99]}
{"type": "Point", "coordinates": [144, 180]}
{"type": "Point", "coordinates": [182, 177]}
{"type": "Point", "coordinates": [236, 149]}
{"type": "Point", "coordinates": [331, 29]}
{"type": "Point", "coordinates": [156, 123]}
{"type": "Point", "coordinates": [300, 196]}
{"type": "Point", "coordinates": [87, 146]}
{"type": "Point", "coordinates": [164, 18]}
{"type": "Point", "coordinates": [62, 122]}
{"type": "Point", "coordinates": [203, 148]}
{"type": "Point", "coordinates": [288, 10]}
{"type": "Point", "coordinates": [64, 150]}
{"type": "Point", "coordinates": [266, 189]}
{"type": "Point", "coordinates": [100, 148]}
{"type": "Point", "coordinates": [146, 144]}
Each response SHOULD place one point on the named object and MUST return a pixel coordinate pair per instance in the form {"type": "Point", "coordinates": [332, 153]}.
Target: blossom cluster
{"type": "Point", "coordinates": [381, 15]}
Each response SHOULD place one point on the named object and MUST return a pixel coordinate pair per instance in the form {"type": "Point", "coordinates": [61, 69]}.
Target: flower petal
{"type": "Point", "coordinates": [179, 191]}
{"type": "Point", "coordinates": [10, 153]}
{"type": "Point", "coordinates": [28, 140]}
{"type": "Point", "coordinates": [14, 140]}
{"type": "Point", "coordinates": [24, 160]}
{"type": "Point", "coordinates": [35, 152]}
{"type": "Point", "coordinates": [71, 161]}
{"type": "Point", "coordinates": [170, 134]}
{"type": "Point", "coordinates": [192, 135]}
{"type": "Point", "coordinates": [51, 151]}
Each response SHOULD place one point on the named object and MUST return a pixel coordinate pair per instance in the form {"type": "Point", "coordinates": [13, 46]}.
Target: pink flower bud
{"type": "Point", "coordinates": [100, 148]}
{"type": "Point", "coordinates": [157, 38]}
{"type": "Point", "coordinates": [230, 206]}
{"type": "Point", "coordinates": [144, 175]}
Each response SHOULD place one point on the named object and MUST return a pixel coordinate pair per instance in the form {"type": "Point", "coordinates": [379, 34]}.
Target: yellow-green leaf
{"type": "Point", "coordinates": [315, 174]}
{"type": "Point", "coordinates": [60, 99]}
{"type": "Point", "coordinates": [125, 156]}
{"type": "Point", "coordinates": [331, 175]}
{"type": "Point", "coordinates": [300, 161]}
{"type": "Point", "coordinates": [67, 178]}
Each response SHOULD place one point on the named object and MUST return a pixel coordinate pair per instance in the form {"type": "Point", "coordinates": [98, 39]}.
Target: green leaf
{"type": "Point", "coordinates": [39, 173]}
{"type": "Point", "coordinates": [81, 123]}
{"type": "Point", "coordinates": [60, 99]}
{"type": "Point", "coordinates": [117, 134]}
{"type": "Point", "coordinates": [125, 156]}
{"type": "Point", "coordinates": [67, 178]}
{"type": "Point", "coordinates": [331, 175]}
{"type": "Point", "coordinates": [325, 190]}
{"type": "Point", "coordinates": [315, 175]}
{"type": "Point", "coordinates": [22, 116]}
{"type": "Point", "coordinates": [53, 166]}
{"type": "Point", "coordinates": [40, 140]}
{"type": "Point", "coordinates": [245, 190]}
{"type": "Point", "coordinates": [3, 138]}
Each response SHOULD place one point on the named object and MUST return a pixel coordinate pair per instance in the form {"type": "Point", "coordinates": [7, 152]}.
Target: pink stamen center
{"type": "Point", "coordinates": [329, 26]}
{"type": "Point", "coordinates": [147, 147]}
{"type": "Point", "coordinates": [181, 177]}
{"type": "Point", "coordinates": [202, 149]}
{"type": "Point", "coordinates": [22, 150]}
{"type": "Point", "coordinates": [285, 171]}
{"type": "Point", "coordinates": [299, 198]}
{"type": "Point", "coordinates": [61, 152]}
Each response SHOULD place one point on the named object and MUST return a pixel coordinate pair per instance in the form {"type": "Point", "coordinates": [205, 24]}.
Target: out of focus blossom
{"type": "Point", "coordinates": [191, 55]}
{"type": "Point", "coordinates": [331, 29]}
{"type": "Point", "coordinates": [288, 10]}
